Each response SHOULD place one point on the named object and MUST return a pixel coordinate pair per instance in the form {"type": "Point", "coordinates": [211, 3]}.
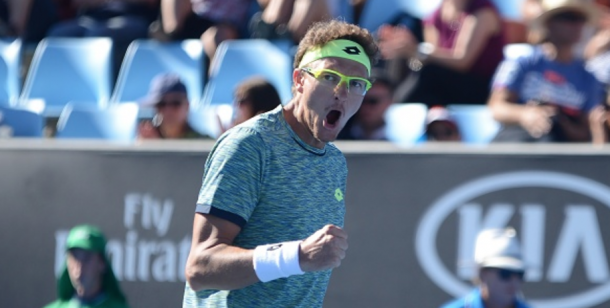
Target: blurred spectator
{"type": "Point", "coordinates": [169, 97]}
{"type": "Point", "coordinates": [547, 96]}
{"type": "Point", "coordinates": [212, 21]}
{"type": "Point", "coordinates": [252, 97]}
{"type": "Point", "coordinates": [369, 122]}
{"type": "Point", "coordinates": [500, 272]}
{"type": "Point", "coordinates": [288, 19]}
{"type": "Point", "coordinates": [27, 19]}
{"type": "Point", "coordinates": [464, 42]}
{"type": "Point", "coordinates": [440, 126]}
{"type": "Point", "coordinates": [88, 279]}
{"type": "Point", "coordinates": [599, 120]}
{"type": "Point", "coordinates": [121, 20]}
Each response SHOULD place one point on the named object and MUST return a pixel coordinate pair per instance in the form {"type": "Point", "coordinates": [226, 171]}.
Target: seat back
{"type": "Point", "coordinates": [145, 59]}
{"type": "Point", "coordinates": [236, 60]}
{"type": "Point", "coordinates": [23, 123]}
{"type": "Point", "coordinates": [475, 122]}
{"type": "Point", "coordinates": [70, 70]}
{"type": "Point", "coordinates": [405, 122]}
{"type": "Point", "coordinates": [116, 122]}
{"type": "Point", "coordinates": [10, 64]}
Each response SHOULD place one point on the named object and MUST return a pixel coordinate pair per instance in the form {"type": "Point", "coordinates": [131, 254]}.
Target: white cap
{"type": "Point", "coordinates": [499, 248]}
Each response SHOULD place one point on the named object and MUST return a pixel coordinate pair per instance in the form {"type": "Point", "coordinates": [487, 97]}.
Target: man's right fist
{"type": "Point", "coordinates": [323, 250]}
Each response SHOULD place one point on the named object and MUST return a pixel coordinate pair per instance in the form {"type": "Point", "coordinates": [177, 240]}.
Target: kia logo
{"type": "Point", "coordinates": [579, 234]}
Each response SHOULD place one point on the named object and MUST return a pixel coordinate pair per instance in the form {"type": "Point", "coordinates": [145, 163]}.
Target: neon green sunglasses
{"type": "Point", "coordinates": [355, 85]}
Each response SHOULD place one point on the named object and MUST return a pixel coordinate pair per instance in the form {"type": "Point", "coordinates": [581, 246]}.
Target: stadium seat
{"type": "Point", "coordinates": [10, 64]}
{"type": "Point", "coordinates": [236, 60]}
{"type": "Point", "coordinates": [509, 9]}
{"type": "Point", "coordinates": [475, 122]}
{"type": "Point", "coordinates": [145, 59]}
{"type": "Point", "coordinates": [24, 123]}
{"type": "Point", "coordinates": [117, 122]}
{"type": "Point", "coordinates": [406, 122]}
{"type": "Point", "coordinates": [64, 70]}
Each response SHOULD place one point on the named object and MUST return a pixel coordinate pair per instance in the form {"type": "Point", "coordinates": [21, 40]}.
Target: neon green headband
{"type": "Point", "coordinates": [338, 48]}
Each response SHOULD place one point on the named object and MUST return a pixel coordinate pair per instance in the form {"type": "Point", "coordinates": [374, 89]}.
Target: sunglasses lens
{"type": "Point", "coordinates": [506, 275]}
{"type": "Point", "coordinates": [170, 103]}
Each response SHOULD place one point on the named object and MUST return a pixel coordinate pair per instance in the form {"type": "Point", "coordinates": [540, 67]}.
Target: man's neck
{"type": "Point", "coordinates": [295, 117]}
{"type": "Point", "coordinates": [558, 52]}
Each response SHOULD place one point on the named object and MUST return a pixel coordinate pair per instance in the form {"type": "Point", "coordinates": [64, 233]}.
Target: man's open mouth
{"type": "Point", "coordinates": [332, 118]}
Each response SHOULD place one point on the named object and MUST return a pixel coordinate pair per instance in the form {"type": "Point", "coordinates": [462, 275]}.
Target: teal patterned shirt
{"type": "Point", "coordinates": [261, 176]}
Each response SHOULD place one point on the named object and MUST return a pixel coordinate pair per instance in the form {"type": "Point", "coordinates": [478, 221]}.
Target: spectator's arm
{"type": "Point", "coordinates": [19, 13]}
{"type": "Point", "coordinates": [471, 40]}
{"type": "Point", "coordinates": [173, 14]}
{"type": "Point", "coordinates": [597, 124]}
{"type": "Point", "coordinates": [598, 44]}
{"type": "Point", "coordinates": [534, 118]}
{"type": "Point", "coordinates": [430, 34]}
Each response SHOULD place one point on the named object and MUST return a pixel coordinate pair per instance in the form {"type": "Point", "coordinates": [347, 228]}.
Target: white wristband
{"type": "Point", "coordinates": [277, 261]}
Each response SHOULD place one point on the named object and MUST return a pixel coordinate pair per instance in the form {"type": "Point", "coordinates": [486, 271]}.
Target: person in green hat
{"type": "Point", "coordinates": [87, 280]}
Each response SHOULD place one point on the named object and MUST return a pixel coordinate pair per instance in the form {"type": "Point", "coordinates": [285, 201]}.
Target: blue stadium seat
{"type": "Point", "coordinates": [236, 60]}
{"type": "Point", "coordinates": [117, 122]}
{"type": "Point", "coordinates": [24, 123]}
{"type": "Point", "coordinates": [145, 59]}
{"type": "Point", "coordinates": [405, 122]}
{"type": "Point", "coordinates": [475, 122]}
{"type": "Point", "coordinates": [66, 70]}
{"type": "Point", "coordinates": [10, 64]}
{"type": "Point", "coordinates": [509, 9]}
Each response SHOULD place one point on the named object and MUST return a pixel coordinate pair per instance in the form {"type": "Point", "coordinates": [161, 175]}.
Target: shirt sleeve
{"type": "Point", "coordinates": [232, 178]}
{"type": "Point", "coordinates": [510, 75]}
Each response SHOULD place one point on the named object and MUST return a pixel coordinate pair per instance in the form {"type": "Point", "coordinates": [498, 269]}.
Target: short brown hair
{"type": "Point", "coordinates": [259, 93]}
{"type": "Point", "coordinates": [323, 32]}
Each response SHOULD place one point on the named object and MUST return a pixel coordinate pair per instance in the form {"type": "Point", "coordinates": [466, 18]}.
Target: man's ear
{"type": "Point", "coordinates": [298, 79]}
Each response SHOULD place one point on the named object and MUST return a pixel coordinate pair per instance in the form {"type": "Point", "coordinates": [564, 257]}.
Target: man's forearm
{"type": "Point", "coordinates": [222, 267]}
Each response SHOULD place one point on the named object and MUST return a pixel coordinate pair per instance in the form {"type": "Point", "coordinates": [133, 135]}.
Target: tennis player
{"type": "Point", "coordinates": [268, 226]}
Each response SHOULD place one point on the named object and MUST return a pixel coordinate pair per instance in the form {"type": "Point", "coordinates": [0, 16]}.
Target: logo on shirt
{"type": "Point", "coordinates": [338, 195]}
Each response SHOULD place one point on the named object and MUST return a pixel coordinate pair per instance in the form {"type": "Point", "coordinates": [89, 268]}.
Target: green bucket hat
{"type": "Point", "coordinates": [90, 238]}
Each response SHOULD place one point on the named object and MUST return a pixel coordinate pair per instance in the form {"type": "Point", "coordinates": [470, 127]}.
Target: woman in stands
{"type": "Point", "coordinates": [464, 41]}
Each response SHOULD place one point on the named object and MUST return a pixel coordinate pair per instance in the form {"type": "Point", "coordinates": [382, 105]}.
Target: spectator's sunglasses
{"type": "Point", "coordinates": [174, 104]}
{"type": "Point", "coordinates": [570, 16]}
{"type": "Point", "coordinates": [506, 274]}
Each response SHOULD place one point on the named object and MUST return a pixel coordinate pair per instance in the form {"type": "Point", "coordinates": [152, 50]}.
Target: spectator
{"type": "Point", "coordinates": [27, 19]}
{"type": "Point", "coordinates": [369, 122]}
{"type": "Point", "coordinates": [547, 96]}
{"type": "Point", "coordinates": [88, 279]}
{"type": "Point", "coordinates": [500, 272]}
{"type": "Point", "coordinates": [169, 97]}
{"type": "Point", "coordinates": [121, 20]}
{"type": "Point", "coordinates": [440, 126]}
{"type": "Point", "coordinates": [212, 21]}
{"type": "Point", "coordinates": [253, 96]}
{"type": "Point", "coordinates": [464, 42]}
{"type": "Point", "coordinates": [288, 19]}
